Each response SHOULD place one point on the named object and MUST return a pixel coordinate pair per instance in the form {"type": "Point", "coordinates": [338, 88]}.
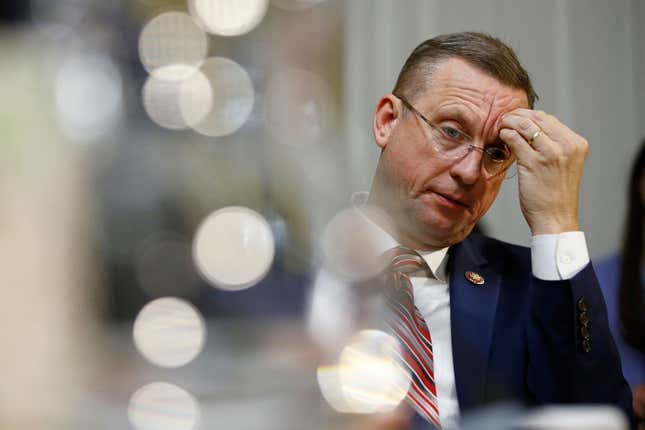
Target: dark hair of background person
{"type": "Point", "coordinates": [483, 51]}
{"type": "Point", "coordinates": [631, 306]}
{"type": "Point", "coordinates": [12, 13]}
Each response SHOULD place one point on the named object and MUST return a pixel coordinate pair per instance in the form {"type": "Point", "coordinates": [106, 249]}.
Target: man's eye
{"type": "Point", "coordinates": [498, 154]}
{"type": "Point", "coordinates": [451, 132]}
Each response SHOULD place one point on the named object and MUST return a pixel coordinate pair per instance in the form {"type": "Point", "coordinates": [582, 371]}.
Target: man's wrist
{"type": "Point", "coordinates": [546, 227]}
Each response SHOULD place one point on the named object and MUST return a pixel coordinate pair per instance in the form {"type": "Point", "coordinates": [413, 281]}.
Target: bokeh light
{"type": "Point", "coordinates": [332, 389]}
{"type": "Point", "coordinates": [177, 97]}
{"type": "Point", "coordinates": [169, 332]}
{"type": "Point", "coordinates": [172, 38]}
{"type": "Point", "coordinates": [295, 4]}
{"type": "Point", "coordinates": [88, 95]}
{"type": "Point", "coordinates": [233, 248]}
{"type": "Point", "coordinates": [352, 245]}
{"type": "Point", "coordinates": [299, 107]}
{"type": "Point", "coordinates": [368, 377]}
{"type": "Point", "coordinates": [228, 17]}
{"type": "Point", "coordinates": [232, 93]}
{"type": "Point", "coordinates": [163, 406]}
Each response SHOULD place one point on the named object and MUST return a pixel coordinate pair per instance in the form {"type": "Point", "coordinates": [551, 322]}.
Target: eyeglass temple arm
{"type": "Point", "coordinates": [426, 120]}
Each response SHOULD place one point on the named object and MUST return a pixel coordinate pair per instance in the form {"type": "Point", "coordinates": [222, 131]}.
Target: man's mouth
{"type": "Point", "coordinates": [454, 200]}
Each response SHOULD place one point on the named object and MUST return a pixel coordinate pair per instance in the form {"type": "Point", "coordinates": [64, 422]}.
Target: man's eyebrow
{"type": "Point", "coordinates": [457, 113]}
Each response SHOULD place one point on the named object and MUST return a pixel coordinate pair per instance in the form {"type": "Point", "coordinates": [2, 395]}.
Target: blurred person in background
{"type": "Point", "coordinates": [621, 281]}
{"type": "Point", "coordinates": [481, 320]}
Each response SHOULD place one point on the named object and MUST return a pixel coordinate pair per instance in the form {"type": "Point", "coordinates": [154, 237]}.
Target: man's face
{"type": "Point", "coordinates": [435, 202]}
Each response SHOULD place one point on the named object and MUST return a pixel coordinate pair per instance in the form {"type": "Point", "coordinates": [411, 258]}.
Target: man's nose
{"type": "Point", "coordinates": [468, 169]}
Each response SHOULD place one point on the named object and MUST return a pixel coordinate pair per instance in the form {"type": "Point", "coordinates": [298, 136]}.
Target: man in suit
{"type": "Point", "coordinates": [506, 322]}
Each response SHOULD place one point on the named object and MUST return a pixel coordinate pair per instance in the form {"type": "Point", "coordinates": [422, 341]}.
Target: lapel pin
{"type": "Point", "coordinates": [474, 278]}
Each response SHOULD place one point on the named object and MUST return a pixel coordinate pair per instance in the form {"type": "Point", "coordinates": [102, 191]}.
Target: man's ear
{"type": "Point", "coordinates": [386, 116]}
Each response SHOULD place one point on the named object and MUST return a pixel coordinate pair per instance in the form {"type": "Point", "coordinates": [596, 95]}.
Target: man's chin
{"type": "Point", "coordinates": [453, 239]}
{"type": "Point", "coordinates": [442, 235]}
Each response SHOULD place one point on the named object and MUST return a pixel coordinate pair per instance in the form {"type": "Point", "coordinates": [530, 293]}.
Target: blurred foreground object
{"type": "Point", "coordinates": [591, 417]}
{"type": "Point", "coordinates": [368, 377]}
{"type": "Point", "coordinates": [511, 416]}
{"type": "Point", "coordinates": [48, 316]}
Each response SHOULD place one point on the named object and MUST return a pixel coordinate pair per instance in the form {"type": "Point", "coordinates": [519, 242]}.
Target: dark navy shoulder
{"type": "Point", "coordinates": [498, 252]}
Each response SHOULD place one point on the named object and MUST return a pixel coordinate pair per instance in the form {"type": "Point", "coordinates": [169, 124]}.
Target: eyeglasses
{"type": "Point", "coordinates": [454, 144]}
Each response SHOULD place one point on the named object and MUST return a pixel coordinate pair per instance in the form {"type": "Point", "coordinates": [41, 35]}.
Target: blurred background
{"type": "Point", "coordinates": [168, 168]}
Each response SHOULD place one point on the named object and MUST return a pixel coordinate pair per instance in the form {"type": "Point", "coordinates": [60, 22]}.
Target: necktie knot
{"type": "Point", "coordinates": [407, 261]}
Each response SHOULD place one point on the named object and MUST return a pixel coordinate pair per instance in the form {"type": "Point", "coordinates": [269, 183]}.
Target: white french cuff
{"type": "Point", "coordinates": [557, 257]}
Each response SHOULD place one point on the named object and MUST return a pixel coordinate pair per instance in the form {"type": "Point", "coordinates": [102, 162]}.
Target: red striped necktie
{"type": "Point", "coordinates": [405, 320]}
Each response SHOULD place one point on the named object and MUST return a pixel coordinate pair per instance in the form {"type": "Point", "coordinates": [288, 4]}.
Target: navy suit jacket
{"type": "Point", "coordinates": [521, 338]}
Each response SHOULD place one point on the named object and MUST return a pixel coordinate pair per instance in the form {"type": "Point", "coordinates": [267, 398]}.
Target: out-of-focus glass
{"type": "Point", "coordinates": [228, 17]}
{"type": "Point", "coordinates": [234, 248]}
{"type": "Point", "coordinates": [574, 417]}
{"type": "Point", "coordinates": [368, 377]}
{"type": "Point", "coordinates": [352, 244]}
{"type": "Point", "coordinates": [89, 97]}
{"type": "Point", "coordinates": [299, 107]}
{"type": "Point", "coordinates": [163, 406]}
{"type": "Point", "coordinates": [174, 102]}
{"type": "Point", "coordinates": [169, 332]}
{"type": "Point", "coordinates": [233, 97]}
{"type": "Point", "coordinates": [172, 38]}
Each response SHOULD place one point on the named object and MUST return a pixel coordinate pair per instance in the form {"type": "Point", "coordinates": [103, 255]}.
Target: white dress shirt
{"type": "Point", "coordinates": [553, 257]}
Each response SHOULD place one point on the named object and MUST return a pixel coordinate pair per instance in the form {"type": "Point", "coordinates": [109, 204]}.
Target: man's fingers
{"type": "Point", "coordinates": [528, 129]}
{"type": "Point", "coordinates": [518, 145]}
{"type": "Point", "coordinates": [549, 124]}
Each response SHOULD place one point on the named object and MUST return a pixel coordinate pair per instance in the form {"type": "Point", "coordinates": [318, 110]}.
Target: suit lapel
{"type": "Point", "coordinates": [472, 319]}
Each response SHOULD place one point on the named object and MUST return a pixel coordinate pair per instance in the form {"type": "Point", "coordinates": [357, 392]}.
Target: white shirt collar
{"type": "Point", "coordinates": [436, 260]}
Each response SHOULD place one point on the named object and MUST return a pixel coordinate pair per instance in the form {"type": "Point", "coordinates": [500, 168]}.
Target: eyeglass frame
{"type": "Point", "coordinates": [436, 128]}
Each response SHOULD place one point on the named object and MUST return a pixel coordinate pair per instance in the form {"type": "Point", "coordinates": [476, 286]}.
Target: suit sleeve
{"type": "Point", "coordinates": [572, 355]}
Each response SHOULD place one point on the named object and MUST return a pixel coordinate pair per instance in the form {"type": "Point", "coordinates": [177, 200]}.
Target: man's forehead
{"type": "Point", "coordinates": [460, 88]}
{"type": "Point", "coordinates": [462, 109]}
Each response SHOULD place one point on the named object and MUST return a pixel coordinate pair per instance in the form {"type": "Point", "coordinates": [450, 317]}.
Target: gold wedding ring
{"type": "Point", "coordinates": [535, 136]}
